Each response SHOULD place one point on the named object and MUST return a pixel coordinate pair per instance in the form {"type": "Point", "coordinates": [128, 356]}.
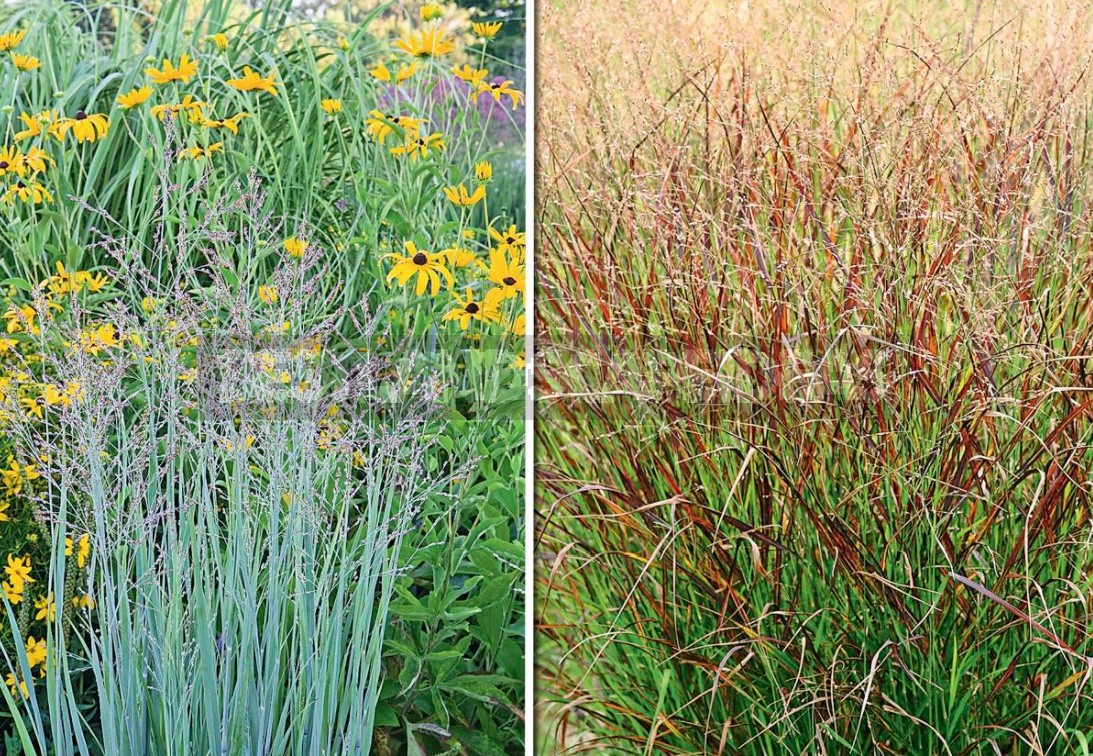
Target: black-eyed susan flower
{"type": "Point", "coordinates": [296, 247]}
{"type": "Point", "coordinates": [486, 29]}
{"type": "Point", "coordinates": [98, 338]}
{"type": "Point", "coordinates": [83, 602]}
{"type": "Point", "coordinates": [405, 71]}
{"type": "Point", "coordinates": [35, 124]}
{"type": "Point", "coordinates": [331, 106]}
{"type": "Point", "coordinates": [192, 107]}
{"type": "Point", "coordinates": [430, 11]}
{"type": "Point", "coordinates": [220, 40]}
{"type": "Point", "coordinates": [483, 171]}
{"type": "Point", "coordinates": [253, 82]}
{"type": "Point", "coordinates": [506, 275]}
{"type": "Point", "coordinates": [25, 62]}
{"type": "Point", "coordinates": [418, 146]}
{"type": "Point", "coordinates": [10, 40]}
{"type": "Point", "coordinates": [197, 152]}
{"type": "Point", "coordinates": [459, 195]}
{"type": "Point", "coordinates": [35, 159]}
{"type": "Point", "coordinates": [473, 76]}
{"type": "Point", "coordinates": [184, 71]}
{"type": "Point", "coordinates": [469, 310]}
{"type": "Point", "coordinates": [500, 89]}
{"type": "Point", "coordinates": [231, 123]}
{"type": "Point", "coordinates": [519, 325]}
{"type": "Point", "coordinates": [30, 192]}
{"type": "Point", "coordinates": [380, 125]}
{"type": "Point", "coordinates": [428, 43]}
{"type": "Point", "coordinates": [85, 127]}
{"type": "Point", "coordinates": [12, 162]}
{"type": "Point", "coordinates": [268, 294]}
{"type": "Point", "coordinates": [510, 240]}
{"type": "Point", "coordinates": [459, 257]}
{"type": "Point", "coordinates": [134, 97]}
{"type": "Point", "coordinates": [428, 268]}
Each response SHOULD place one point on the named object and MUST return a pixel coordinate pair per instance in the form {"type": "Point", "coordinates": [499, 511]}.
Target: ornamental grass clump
{"type": "Point", "coordinates": [814, 424]}
{"type": "Point", "coordinates": [234, 480]}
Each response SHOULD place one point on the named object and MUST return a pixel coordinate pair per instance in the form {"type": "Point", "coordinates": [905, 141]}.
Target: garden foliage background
{"type": "Point", "coordinates": [335, 172]}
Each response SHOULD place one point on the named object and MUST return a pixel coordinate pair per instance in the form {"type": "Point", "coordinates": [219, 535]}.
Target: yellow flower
{"type": "Point", "coordinates": [31, 193]}
{"type": "Point", "coordinates": [11, 39]}
{"type": "Point", "coordinates": [507, 276]}
{"type": "Point", "coordinates": [251, 81]}
{"type": "Point", "coordinates": [18, 572]}
{"type": "Point", "coordinates": [296, 247]}
{"type": "Point", "coordinates": [4, 505]}
{"type": "Point", "coordinates": [429, 43]}
{"type": "Point", "coordinates": [33, 123]}
{"type": "Point", "coordinates": [20, 319]}
{"type": "Point", "coordinates": [36, 159]}
{"type": "Point", "coordinates": [380, 126]}
{"type": "Point", "coordinates": [473, 76]}
{"type": "Point", "coordinates": [82, 549]}
{"type": "Point", "coordinates": [486, 30]}
{"type": "Point", "coordinates": [510, 241]}
{"type": "Point", "coordinates": [418, 146]}
{"type": "Point", "coordinates": [519, 325]}
{"type": "Point", "coordinates": [220, 40]}
{"type": "Point", "coordinates": [429, 11]}
{"type": "Point", "coordinates": [11, 161]}
{"type": "Point", "coordinates": [483, 171]}
{"type": "Point", "coordinates": [231, 123]}
{"type": "Point", "coordinates": [16, 475]}
{"type": "Point", "coordinates": [47, 609]}
{"type": "Point", "coordinates": [458, 257]}
{"type": "Point", "coordinates": [192, 107]}
{"type": "Point", "coordinates": [83, 602]}
{"type": "Point", "coordinates": [184, 71]}
{"type": "Point", "coordinates": [83, 126]}
{"type": "Point", "coordinates": [31, 407]}
{"type": "Point", "coordinates": [343, 43]}
{"type": "Point", "coordinates": [148, 304]}
{"type": "Point", "coordinates": [15, 683]}
{"type": "Point", "coordinates": [503, 88]}
{"type": "Point", "coordinates": [331, 106]}
{"type": "Point", "coordinates": [459, 195]}
{"type": "Point", "coordinates": [37, 652]}
{"type": "Point", "coordinates": [405, 71]}
{"type": "Point", "coordinates": [518, 362]}
{"type": "Point", "coordinates": [197, 152]}
{"type": "Point", "coordinates": [134, 97]}
{"type": "Point", "coordinates": [25, 62]}
{"type": "Point", "coordinates": [12, 591]}
{"type": "Point", "coordinates": [468, 310]}
{"type": "Point", "coordinates": [98, 338]}
{"type": "Point", "coordinates": [268, 294]}
{"type": "Point", "coordinates": [427, 267]}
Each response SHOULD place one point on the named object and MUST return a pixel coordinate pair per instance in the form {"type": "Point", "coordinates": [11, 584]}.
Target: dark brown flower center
{"type": "Point", "coordinates": [3, 164]}
{"type": "Point", "coordinates": [510, 239]}
{"type": "Point", "coordinates": [420, 258]}
{"type": "Point", "coordinates": [80, 115]}
{"type": "Point", "coordinates": [472, 307]}
{"type": "Point", "coordinates": [508, 280]}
